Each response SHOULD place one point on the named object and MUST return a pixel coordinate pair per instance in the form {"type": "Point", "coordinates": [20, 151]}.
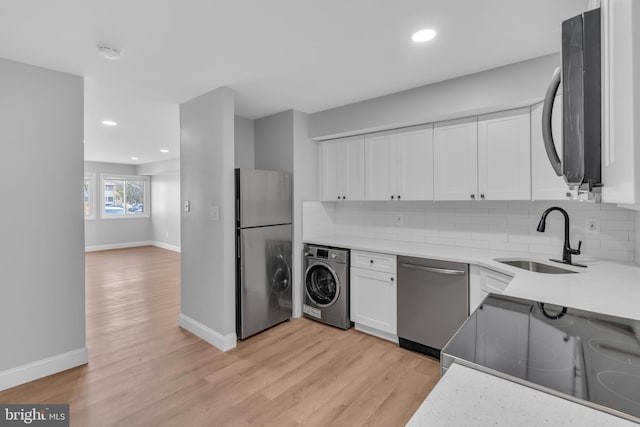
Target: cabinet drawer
{"type": "Point", "coordinates": [374, 261]}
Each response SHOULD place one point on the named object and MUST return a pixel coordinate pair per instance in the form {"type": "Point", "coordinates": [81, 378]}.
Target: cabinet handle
{"type": "Point", "coordinates": [391, 197]}
{"type": "Point", "coordinates": [392, 279]}
{"type": "Point", "coordinates": [344, 197]}
{"type": "Point", "coordinates": [398, 197]}
{"type": "Point", "coordinates": [473, 197]}
{"type": "Point", "coordinates": [370, 261]}
{"type": "Point", "coordinates": [338, 197]}
{"type": "Point", "coordinates": [482, 196]}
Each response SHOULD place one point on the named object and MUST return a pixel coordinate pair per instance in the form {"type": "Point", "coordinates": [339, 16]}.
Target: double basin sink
{"type": "Point", "coordinates": [534, 266]}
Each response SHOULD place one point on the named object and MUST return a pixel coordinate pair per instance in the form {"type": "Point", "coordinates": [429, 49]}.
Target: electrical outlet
{"type": "Point", "coordinates": [592, 226]}
{"type": "Point", "coordinates": [398, 219]}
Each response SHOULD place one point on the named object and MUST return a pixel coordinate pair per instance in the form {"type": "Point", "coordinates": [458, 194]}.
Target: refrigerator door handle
{"type": "Point", "coordinates": [238, 245]}
{"type": "Point", "coordinates": [547, 132]}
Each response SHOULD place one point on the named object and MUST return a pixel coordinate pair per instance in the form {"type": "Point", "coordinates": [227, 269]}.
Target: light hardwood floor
{"type": "Point", "coordinates": [144, 370]}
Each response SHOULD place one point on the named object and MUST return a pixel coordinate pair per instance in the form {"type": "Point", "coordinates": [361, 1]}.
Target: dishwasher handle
{"type": "Point", "coordinates": [433, 269]}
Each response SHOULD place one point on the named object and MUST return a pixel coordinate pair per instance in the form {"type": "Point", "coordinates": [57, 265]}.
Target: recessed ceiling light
{"type": "Point", "coordinates": [164, 150]}
{"type": "Point", "coordinates": [135, 158]}
{"type": "Point", "coordinates": [423, 35]}
{"type": "Point", "coordinates": [109, 123]}
{"type": "Point", "coordinates": [108, 52]}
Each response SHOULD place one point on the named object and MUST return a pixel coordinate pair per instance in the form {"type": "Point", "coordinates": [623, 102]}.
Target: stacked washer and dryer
{"type": "Point", "coordinates": [326, 284]}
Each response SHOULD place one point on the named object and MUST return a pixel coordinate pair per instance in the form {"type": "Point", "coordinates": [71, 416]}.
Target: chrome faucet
{"type": "Point", "coordinates": [567, 251]}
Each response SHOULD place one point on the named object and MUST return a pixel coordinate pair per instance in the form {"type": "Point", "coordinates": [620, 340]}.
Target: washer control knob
{"type": "Point", "coordinates": [333, 255]}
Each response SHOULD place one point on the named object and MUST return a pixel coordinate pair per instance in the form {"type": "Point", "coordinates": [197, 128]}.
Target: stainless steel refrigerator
{"type": "Point", "coordinates": [263, 250]}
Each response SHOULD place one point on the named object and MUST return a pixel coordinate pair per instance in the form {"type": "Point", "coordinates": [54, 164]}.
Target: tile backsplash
{"type": "Point", "coordinates": [503, 225]}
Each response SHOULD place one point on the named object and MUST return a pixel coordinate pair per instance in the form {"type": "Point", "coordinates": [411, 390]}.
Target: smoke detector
{"type": "Point", "coordinates": [110, 53]}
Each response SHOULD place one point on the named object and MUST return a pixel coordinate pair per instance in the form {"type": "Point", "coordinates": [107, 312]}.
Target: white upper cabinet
{"type": "Point", "coordinates": [353, 169]}
{"type": "Point", "coordinates": [504, 157]}
{"type": "Point", "coordinates": [380, 166]}
{"type": "Point", "coordinates": [415, 163]}
{"type": "Point", "coordinates": [342, 169]}
{"type": "Point", "coordinates": [399, 165]}
{"type": "Point", "coordinates": [455, 145]}
{"type": "Point", "coordinates": [545, 184]}
{"type": "Point", "coordinates": [620, 101]}
{"type": "Point", "coordinates": [330, 188]}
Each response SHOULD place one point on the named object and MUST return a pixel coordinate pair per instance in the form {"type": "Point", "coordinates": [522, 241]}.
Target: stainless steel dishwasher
{"type": "Point", "coordinates": [433, 302]}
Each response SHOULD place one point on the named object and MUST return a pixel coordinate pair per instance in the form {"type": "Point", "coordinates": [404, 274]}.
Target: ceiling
{"type": "Point", "coordinates": [308, 55]}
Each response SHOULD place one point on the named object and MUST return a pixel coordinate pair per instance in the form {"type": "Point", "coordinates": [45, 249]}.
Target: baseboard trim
{"type": "Point", "coordinates": [125, 245]}
{"type": "Point", "coordinates": [166, 246]}
{"type": "Point", "coordinates": [43, 368]}
{"type": "Point", "coordinates": [116, 246]}
{"type": "Point", "coordinates": [216, 339]}
{"type": "Point", "coordinates": [376, 332]}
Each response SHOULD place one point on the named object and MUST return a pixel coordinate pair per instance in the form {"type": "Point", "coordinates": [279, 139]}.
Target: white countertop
{"type": "Point", "coordinates": [466, 397]}
{"type": "Point", "coordinates": [607, 287]}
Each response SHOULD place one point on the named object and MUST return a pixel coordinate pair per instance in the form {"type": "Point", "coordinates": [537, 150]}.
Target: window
{"type": "Point", "coordinates": [125, 196]}
{"type": "Point", "coordinates": [88, 196]}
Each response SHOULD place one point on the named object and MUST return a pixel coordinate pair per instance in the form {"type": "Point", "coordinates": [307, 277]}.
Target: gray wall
{"type": "Point", "coordinates": [103, 233]}
{"type": "Point", "coordinates": [305, 187]}
{"type": "Point", "coordinates": [637, 228]}
{"type": "Point", "coordinates": [206, 180]}
{"type": "Point", "coordinates": [502, 88]}
{"type": "Point", "coordinates": [283, 143]}
{"type": "Point", "coordinates": [274, 142]}
{"type": "Point", "coordinates": [244, 135]}
{"type": "Point", "coordinates": [41, 226]}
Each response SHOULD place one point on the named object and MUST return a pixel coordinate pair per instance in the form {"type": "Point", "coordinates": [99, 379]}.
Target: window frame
{"type": "Point", "coordinates": [116, 176]}
{"type": "Point", "coordinates": [91, 177]}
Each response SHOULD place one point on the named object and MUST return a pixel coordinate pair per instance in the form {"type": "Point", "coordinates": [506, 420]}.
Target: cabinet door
{"type": "Point", "coordinates": [353, 169]}
{"type": "Point", "coordinates": [380, 166]}
{"type": "Point", "coordinates": [545, 184]}
{"type": "Point", "coordinates": [330, 170]}
{"type": "Point", "coordinates": [373, 299]}
{"type": "Point", "coordinates": [455, 159]}
{"type": "Point", "coordinates": [504, 155]}
{"type": "Point", "coordinates": [415, 164]}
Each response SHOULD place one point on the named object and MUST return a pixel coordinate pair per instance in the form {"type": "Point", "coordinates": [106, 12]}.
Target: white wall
{"type": "Point", "coordinates": [165, 202]}
{"type": "Point", "coordinates": [244, 135]}
{"type": "Point", "coordinates": [512, 86]}
{"type": "Point", "coordinates": [507, 226]}
{"type": "Point", "coordinates": [207, 303]}
{"type": "Point", "coordinates": [41, 224]}
{"type": "Point", "coordinates": [165, 210]}
{"type": "Point", "coordinates": [109, 233]}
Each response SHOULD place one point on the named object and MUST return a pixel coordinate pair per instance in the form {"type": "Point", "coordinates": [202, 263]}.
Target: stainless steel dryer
{"type": "Point", "coordinates": [326, 285]}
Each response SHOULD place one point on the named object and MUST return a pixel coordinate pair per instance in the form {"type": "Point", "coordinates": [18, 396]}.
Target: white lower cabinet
{"type": "Point", "coordinates": [483, 281]}
{"type": "Point", "coordinates": [374, 297]}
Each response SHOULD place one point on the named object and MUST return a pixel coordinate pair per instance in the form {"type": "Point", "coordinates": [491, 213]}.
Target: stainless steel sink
{"type": "Point", "coordinates": [534, 266]}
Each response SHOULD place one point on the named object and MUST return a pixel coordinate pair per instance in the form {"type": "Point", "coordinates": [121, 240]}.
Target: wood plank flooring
{"type": "Point", "coordinates": [144, 370]}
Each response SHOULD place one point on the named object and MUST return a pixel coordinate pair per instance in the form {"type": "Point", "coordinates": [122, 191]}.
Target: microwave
{"type": "Point", "coordinates": [580, 76]}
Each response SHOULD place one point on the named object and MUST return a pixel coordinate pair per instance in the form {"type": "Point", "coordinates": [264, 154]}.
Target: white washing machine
{"type": "Point", "coordinates": [326, 285]}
